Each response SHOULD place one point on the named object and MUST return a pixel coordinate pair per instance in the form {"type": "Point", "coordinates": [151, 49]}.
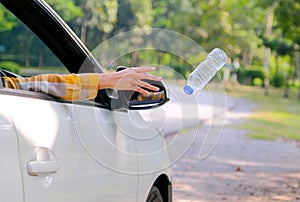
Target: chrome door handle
{"type": "Point", "coordinates": [35, 168]}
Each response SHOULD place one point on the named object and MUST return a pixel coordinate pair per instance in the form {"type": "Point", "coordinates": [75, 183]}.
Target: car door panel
{"type": "Point", "coordinates": [70, 135]}
{"type": "Point", "coordinates": [11, 178]}
{"type": "Point", "coordinates": [110, 147]}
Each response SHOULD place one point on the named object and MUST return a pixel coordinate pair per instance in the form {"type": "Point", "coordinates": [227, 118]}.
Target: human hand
{"type": "Point", "coordinates": [129, 79]}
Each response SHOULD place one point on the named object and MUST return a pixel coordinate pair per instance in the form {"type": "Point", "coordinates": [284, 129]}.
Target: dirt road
{"type": "Point", "coordinates": [239, 168]}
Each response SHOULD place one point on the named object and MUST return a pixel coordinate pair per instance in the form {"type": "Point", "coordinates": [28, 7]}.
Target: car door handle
{"type": "Point", "coordinates": [35, 168]}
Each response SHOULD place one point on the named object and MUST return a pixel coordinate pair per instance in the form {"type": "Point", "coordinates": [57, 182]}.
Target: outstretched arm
{"type": "Point", "coordinates": [129, 79]}
{"type": "Point", "coordinates": [85, 86]}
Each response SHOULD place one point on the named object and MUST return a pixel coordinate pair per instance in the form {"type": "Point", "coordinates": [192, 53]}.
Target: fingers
{"type": "Point", "coordinates": [143, 70]}
{"type": "Point", "coordinates": [147, 86]}
{"type": "Point", "coordinates": [141, 90]}
{"type": "Point", "coordinates": [133, 79]}
{"type": "Point", "coordinates": [151, 77]}
{"type": "Point", "coordinates": [141, 85]}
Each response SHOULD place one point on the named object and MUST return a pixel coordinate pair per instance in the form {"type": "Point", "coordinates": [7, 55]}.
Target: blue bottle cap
{"type": "Point", "coordinates": [188, 90]}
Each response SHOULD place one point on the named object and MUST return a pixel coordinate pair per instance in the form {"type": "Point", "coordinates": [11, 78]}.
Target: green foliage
{"type": "Point", "coordinates": [278, 80]}
{"type": "Point", "coordinates": [249, 75]}
{"type": "Point", "coordinates": [101, 14]}
{"type": "Point", "coordinates": [10, 66]}
{"type": "Point", "coordinates": [287, 14]}
{"type": "Point", "coordinates": [143, 13]}
{"type": "Point", "coordinates": [278, 45]}
{"type": "Point", "coordinates": [97, 22]}
{"type": "Point", "coordinates": [258, 82]}
{"type": "Point", "coordinates": [66, 8]}
{"type": "Point", "coordinates": [7, 20]}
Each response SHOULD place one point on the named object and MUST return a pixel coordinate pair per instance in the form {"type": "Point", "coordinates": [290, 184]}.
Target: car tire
{"type": "Point", "coordinates": [154, 195]}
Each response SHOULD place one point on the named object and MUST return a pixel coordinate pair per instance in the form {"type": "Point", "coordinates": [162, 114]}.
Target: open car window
{"type": "Point", "coordinates": [22, 52]}
{"type": "Point", "coordinates": [50, 47]}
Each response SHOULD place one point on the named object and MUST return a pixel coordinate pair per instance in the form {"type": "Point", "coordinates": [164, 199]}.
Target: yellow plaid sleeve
{"type": "Point", "coordinates": [68, 87]}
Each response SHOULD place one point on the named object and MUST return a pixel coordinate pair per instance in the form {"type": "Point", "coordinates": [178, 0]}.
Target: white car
{"type": "Point", "coordinates": [59, 151]}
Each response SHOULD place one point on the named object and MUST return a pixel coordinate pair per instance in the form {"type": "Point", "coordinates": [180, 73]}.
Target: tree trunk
{"type": "Point", "coordinates": [134, 59]}
{"type": "Point", "coordinates": [41, 57]}
{"type": "Point", "coordinates": [27, 47]}
{"type": "Point", "coordinates": [277, 64]}
{"type": "Point", "coordinates": [297, 69]}
{"type": "Point", "coordinates": [83, 31]}
{"type": "Point", "coordinates": [286, 90]}
{"type": "Point", "coordinates": [226, 78]}
{"type": "Point", "coordinates": [268, 32]}
{"type": "Point", "coordinates": [269, 24]}
{"type": "Point", "coordinates": [247, 58]}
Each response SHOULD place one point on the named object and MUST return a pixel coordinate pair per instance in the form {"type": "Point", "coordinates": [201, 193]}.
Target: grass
{"type": "Point", "coordinates": [275, 117]}
{"type": "Point", "coordinates": [42, 70]}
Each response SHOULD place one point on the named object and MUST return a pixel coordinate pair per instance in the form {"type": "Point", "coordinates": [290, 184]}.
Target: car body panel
{"type": "Point", "coordinates": [11, 178]}
{"type": "Point", "coordinates": [81, 151]}
{"type": "Point", "coordinates": [152, 152]}
{"type": "Point", "coordinates": [55, 127]}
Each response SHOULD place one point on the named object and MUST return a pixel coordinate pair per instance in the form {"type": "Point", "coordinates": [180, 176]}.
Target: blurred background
{"type": "Point", "coordinates": [261, 38]}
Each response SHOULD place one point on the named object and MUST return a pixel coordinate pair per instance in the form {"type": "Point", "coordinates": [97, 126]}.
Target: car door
{"type": "Point", "coordinates": [109, 157]}
{"type": "Point", "coordinates": [68, 151]}
{"type": "Point", "coordinates": [71, 152]}
{"type": "Point", "coordinates": [11, 178]}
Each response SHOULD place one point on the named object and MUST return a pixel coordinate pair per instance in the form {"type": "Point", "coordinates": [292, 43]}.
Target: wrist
{"type": "Point", "coordinates": [104, 81]}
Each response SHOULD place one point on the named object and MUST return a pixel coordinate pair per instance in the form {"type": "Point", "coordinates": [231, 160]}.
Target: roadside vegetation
{"type": "Point", "coordinates": [261, 37]}
{"type": "Point", "coordinates": [275, 116]}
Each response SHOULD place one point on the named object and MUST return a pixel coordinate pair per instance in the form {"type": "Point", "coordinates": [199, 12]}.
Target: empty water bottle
{"type": "Point", "coordinates": [205, 71]}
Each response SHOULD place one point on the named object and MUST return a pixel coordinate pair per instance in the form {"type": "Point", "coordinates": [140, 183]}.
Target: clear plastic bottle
{"type": "Point", "coordinates": [205, 71]}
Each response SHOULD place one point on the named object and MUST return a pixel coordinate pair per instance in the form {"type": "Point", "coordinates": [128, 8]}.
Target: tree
{"type": "Point", "coordinates": [143, 13]}
{"type": "Point", "coordinates": [283, 18]}
{"type": "Point", "coordinates": [7, 20]}
{"type": "Point", "coordinates": [66, 9]}
{"type": "Point", "coordinates": [288, 18]}
{"type": "Point", "coordinates": [99, 15]}
{"type": "Point", "coordinates": [125, 17]}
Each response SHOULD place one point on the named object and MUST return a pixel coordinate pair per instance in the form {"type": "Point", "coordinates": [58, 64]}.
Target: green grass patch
{"type": "Point", "coordinates": [43, 70]}
{"type": "Point", "coordinates": [275, 116]}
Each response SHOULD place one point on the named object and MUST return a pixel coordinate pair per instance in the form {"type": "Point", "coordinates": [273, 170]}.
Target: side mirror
{"type": "Point", "coordinates": [138, 101]}
{"type": "Point", "coordinates": [133, 100]}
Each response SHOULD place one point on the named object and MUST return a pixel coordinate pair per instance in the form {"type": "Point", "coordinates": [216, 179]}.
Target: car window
{"type": "Point", "coordinates": [22, 52]}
